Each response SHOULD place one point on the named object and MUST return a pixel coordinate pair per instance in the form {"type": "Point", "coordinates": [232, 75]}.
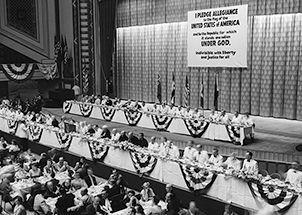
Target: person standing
{"type": "Point", "coordinates": [23, 134]}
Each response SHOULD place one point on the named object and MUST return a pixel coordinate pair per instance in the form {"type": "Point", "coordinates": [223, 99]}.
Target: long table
{"type": "Point", "coordinates": [224, 188]}
{"type": "Point", "coordinates": [185, 126]}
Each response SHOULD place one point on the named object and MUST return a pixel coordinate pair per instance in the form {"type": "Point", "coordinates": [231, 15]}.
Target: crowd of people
{"type": "Point", "coordinates": [172, 110]}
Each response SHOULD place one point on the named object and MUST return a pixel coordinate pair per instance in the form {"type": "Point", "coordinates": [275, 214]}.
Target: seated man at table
{"type": "Point", "coordinates": [201, 156]}
{"type": "Point", "coordinates": [65, 203]}
{"type": "Point", "coordinates": [154, 109]}
{"type": "Point", "coordinates": [142, 142]}
{"type": "Point", "coordinates": [51, 190]}
{"type": "Point", "coordinates": [224, 118]}
{"type": "Point", "coordinates": [250, 166]}
{"type": "Point", "coordinates": [105, 132]}
{"type": "Point", "coordinates": [232, 162]}
{"type": "Point", "coordinates": [213, 116]}
{"type": "Point", "coordinates": [153, 145]}
{"type": "Point", "coordinates": [248, 121]}
{"type": "Point", "coordinates": [60, 163]}
{"type": "Point", "coordinates": [188, 113]}
{"type": "Point", "coordinates": [115, 136]}
{"type": "Point", "coordinates": [5, 188]}
{"type": "Point", "coordinates": [90, 179]}
{"type": "Point", "coordinates": [123, 137]}
{"type": "Point", "coordinates": [189, 151]}
{"type": "Point", "coordinates": [170, 150]}
{"type": "Point", "coordinates": [132, 139]}
{"type": "Point", "coordinates": [40, 206]}
{"type": "Point", "coordinates": [105, 203]}
{"type": "Point", "coordinates": [83, 201]}
{"type": "Point", "coordinates": [216, 159]}
{"type": "Point", "coordinates": [95, 207]}
{"type": "Point", "coordinates": [173, 206]}
{"type": "Point", "coordinates": [294, 175]}
{"type": "Point", "coordinates": [236, 120]}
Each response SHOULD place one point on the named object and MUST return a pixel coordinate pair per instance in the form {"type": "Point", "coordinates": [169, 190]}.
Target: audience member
{"type": "Point", "coordinates": [115, 136]}
{"type": "Point", "coordinates": [19, 209]}
{"type": "Point", "coordinates": [139, 210]}
{"type": "Point", "coordinates": [34, 171]}
{"type": "Point", "coordinates": [65, 202]}
{"type": "Point", "coordinates": [77, 183]}
{"type": "Point", "coordinates": [123, 137]}
{"type": "Point", "coordinates": [90, 179]}
{"type": "Point", "coordinates": [95, 207]}
{"type": "Point", "coordinates": [51, 190]}
{"type": "Point", "coordinates": [193, 210]}
{"type": "Point", "coordinates": [146, 193]}
{"type": "Point", "coordinates": [131, 200]}
{"type": "Point", "coordinates": [132, 139]}
{"type": "Point", "coordinates": [105, 202]}
{"type": "Point", "coordinates": [155, 209]}
{"type": "Point", "coordinates": [172, 204]}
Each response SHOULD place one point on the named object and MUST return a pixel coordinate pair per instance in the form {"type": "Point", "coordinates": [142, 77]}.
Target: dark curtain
{"type": "Point", "coordinates": [107, 14]}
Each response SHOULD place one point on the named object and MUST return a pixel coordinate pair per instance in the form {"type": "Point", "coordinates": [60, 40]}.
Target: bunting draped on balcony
{"type": "Point", "coordinates": [19, 73]}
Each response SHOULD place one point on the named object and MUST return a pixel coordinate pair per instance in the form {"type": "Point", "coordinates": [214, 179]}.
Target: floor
{"type": "Point", "coordinates": [275, 138]}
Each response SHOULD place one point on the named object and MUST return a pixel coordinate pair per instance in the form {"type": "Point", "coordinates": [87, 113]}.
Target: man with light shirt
{"type": "Point", "coordinates": [170, 150]}
{"type": "Point", "coordinates": [213, 116]}
{"type": "Point", "coordinates": [200, 156]}
{"type": "Point", "coordinates": [153, 145]}
{"type": "Point", "coordinates": [250, 166]}
{"type": "Point", "coordinates": [189, 151]}
{"type": "Point", "coordinates": [115, 136]}
{"type": "Point", "coordinates": [294, 175]}
{"type": "Point", "coordinates": [236, 120]}
{"type": "Point", "coordinates": [216, 159]}
{"type": "Point", "coordinates": [232, 162]}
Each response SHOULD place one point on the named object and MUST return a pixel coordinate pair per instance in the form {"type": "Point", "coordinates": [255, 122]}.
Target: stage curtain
{"type": "Point", "coordinates": [146, 12]}
{"type": "Point", "coordinates": [107, 23]}
{"type": "Point", "coordinates": [270, 86]}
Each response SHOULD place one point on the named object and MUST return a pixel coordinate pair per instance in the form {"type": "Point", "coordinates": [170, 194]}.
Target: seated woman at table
{"type": "Point", "coordinates": [131, 200]}
{"type": "Point", "coordinates": [21, 173]}
{"type": "Point", "coordinates": [77, 183]}
{"type": "Point", "coordinates": [147, 193]}
{"type": "Point", "coordinates": [13, 147]}
{"type": "Point", "coordinates": [19, 209]}
{"type": "Point", "coordinates": [34, 172]}
{"type": "Point", "coordinates": [155, 208]}
{"type": "Point", "coordinates": [65, 167]}
{"type": "Point", "coordinates": [49, 168]}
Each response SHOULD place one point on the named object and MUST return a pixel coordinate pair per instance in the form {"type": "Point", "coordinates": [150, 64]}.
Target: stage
{"type": "Point", "coordinates": [275, 139]}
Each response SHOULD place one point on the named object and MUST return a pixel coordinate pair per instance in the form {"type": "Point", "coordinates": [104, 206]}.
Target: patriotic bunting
{"type": "Point", "coordinates": [67, 107]}
{"type": "Point", "coordinates": [196, 127]}
{"type": "Point", "coordinates": [132, 116]}
{"type": "Point", "coordinates": [197, 179]}
{"type": "Point", "coordinates": [12, 125]}
{"type": "Point", "coordinates": [273, 195]}
{"type": "Point", "coordinates": [18, 73]}
{"type": "Point", "coordinates": [233, 132]}
{"type": "Point", "coordinates": [49, 71]}
{"type": "Point", "coordinates": [85, 109]}
{"type": "Point", "coordinates": [161, 122]}
{"type": "Point", "coordinates": [143, 164]}
{"type": "Point", "coordinates": [98, 150]}
{"type": "Point", "coordinates": [107, 113]}
{"type": "Point", "coordinates": [35, 132]}
{"type": "Point", "coordinates": [64, 139]}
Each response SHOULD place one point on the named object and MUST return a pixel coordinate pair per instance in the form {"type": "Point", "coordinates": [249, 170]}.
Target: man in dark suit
{"type": "Point", "coordinates": [90, 179]}
{"type": "Point", "coordinates": [132, 139]}
{"type": "Point", "coordinates": [95, 207]}
{"type": "Point", "coordinates": [142, 142]}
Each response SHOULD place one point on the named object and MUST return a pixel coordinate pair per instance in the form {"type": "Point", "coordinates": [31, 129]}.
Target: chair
{"type": "Point", "coordinates": [276, 176]}
{"type": "Point", "coordinates": [263, 172]}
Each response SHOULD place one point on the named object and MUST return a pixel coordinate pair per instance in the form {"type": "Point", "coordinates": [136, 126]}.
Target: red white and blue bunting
{"type": "Point", "coordinates": [132, 117]}
{"type": "Point", "coordinates": [12, 125]}
{"type": "Point", "coordinates": [49, 71]}
{"type": "Point", "coordinates": [35, 132]}
{"type": "Point", "coordinates": [161, 122]}
{"type": "Point", "coordinates": [233, 132]}
{"type": "Point", "coordinates": [66, 107]}
{"type": "Point", "coordinates": [197, 179]}
{"type": "Point", "coordinates": [64, 139]}
{"type": "Point", "coordinates": [98, 150]}
{"type": "Point", "coordinates": [107, 113]}
{"type": "Point", "coordinates": [143, 164]}
{"type": "Point", "coordinates": [196, 127]}
{"type": "Point", "coordinates": [85, 109]}
{"type": "Point", "coordinates": [273, 195]}
{"type": "Point", "coordinates": [18, 73]}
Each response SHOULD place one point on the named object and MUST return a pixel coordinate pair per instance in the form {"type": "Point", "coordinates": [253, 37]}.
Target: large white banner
{"type": "Point", "coordinates": [218, 37]}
